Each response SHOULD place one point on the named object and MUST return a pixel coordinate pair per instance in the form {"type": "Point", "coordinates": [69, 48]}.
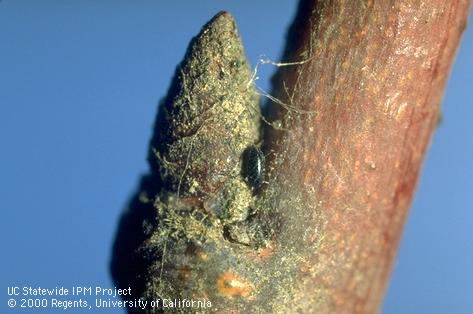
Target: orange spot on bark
{"type": "Point", "coordinates": [230, 285]}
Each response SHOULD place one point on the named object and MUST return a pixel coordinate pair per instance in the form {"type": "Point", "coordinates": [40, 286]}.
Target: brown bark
{"type": "Point", "coordinates": [351, 118]}
{"type": "Point", "coordinates": [367, 93]}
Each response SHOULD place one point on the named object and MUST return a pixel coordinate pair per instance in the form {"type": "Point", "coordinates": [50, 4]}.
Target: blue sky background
{"type": "Point", "coordinates": [79, 87]}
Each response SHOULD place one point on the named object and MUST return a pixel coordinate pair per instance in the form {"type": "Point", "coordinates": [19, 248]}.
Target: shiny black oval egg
{"type": "Point", "coordinates": [253, 166]}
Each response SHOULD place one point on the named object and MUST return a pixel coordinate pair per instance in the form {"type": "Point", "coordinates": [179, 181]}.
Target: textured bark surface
{"type": "Point", "coordinates": [374, 77]}
{"type": "Point", "coordinates": [344, 138]}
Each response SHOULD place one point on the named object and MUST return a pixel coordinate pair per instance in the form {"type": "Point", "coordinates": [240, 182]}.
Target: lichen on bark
{"type": "Point", "coordinates": [205, 221]}
{"type": "Point", "coordinates": [343, 152]}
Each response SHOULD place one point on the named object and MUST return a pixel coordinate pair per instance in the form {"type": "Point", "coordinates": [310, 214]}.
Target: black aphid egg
{"type": "Point", "coordinates": [253, 166]}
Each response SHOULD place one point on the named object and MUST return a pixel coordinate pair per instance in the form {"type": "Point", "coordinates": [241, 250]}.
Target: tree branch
{"type": "Point", "coordinates": [374, 80]}
{"type": "Point", "coordinates": [344, 135]}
